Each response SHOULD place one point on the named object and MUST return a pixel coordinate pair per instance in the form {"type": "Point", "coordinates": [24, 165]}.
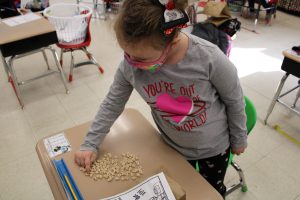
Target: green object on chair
{"type": "Point", "coordinates": [251, 120]}
{"type": "Point", "coordinates": [250, 123]}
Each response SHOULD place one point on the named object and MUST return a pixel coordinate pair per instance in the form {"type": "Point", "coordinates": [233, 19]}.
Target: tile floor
{"type": "Point", "coordinates": [271, 163]}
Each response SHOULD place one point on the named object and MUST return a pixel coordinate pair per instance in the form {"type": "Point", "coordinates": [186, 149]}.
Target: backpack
{"type": "Point", "coordinates": [230, 26]}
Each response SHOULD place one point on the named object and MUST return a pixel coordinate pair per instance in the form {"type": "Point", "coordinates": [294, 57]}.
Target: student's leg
{"type": "Point", "coordinates": [265, 4]}
{"type": "Point", "coordinates": [213, 169]}
{"type": "Point", "coordinates": [270, 11]}
{"type": "Point", "coordinates": [251, 5]}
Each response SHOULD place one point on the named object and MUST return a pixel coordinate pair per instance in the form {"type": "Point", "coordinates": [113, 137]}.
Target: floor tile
{"type": "Point", "coordinates": [100, 87]}
{"type": "Point", "coordinates": [287, 159]}
{"type": "Point", "coordinates": [84, 112]}
{"type": "Point", "coordinates": [35, 91]}
{"type": "Point", "coordinates": [267, 83]}
{"type": "Point", "coordinates": [265, 180]}
{"type": "Point", "coordinates": [24, 179]}
{"type": "Point", "coordinates": [264, 140]}
{"type": "Point", "coordinates": [238, 194]}
{"type": "Point", "coordinates": [249, 158]}
{"type": "Point", "coordinates": [16, 137]}
{"type": "Point", "coordinates": [298, 197]}
{"type": "Point", "coordinates": [47, 117]}
{"type": "Point", "coordinates": [79, 96]}
{"type": "Point", "coordinates": [9, 101]}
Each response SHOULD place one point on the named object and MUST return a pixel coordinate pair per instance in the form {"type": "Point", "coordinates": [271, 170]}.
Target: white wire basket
{"type": "Point", "coordinates": [70, 21]}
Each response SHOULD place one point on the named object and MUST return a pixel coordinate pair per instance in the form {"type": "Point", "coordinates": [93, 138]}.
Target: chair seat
{"type": "Point", "coordinates": [86, 43]}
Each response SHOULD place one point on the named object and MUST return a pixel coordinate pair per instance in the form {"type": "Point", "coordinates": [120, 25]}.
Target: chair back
{"type": "Point", "coordinates": [250, 123]}
{"type": "Point", "coordinates": [250, 113]}
{"type": "Point", "coordinates": [251, 120]}
{"type": "Point", "coordinates": [88, 38]}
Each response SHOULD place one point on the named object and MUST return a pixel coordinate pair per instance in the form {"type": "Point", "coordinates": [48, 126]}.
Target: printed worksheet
{"type": "Point", "coordinates": [57, 144]}
{"type": "Point", "coordinates": [21, 19]}
{"type": "Point", "coordinates": [154, 188]}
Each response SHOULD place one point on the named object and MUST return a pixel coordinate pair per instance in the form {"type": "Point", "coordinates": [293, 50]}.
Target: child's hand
{"type": "Point", "coordinates": [85, 159]}
{"type": "Point", "coordinates": [238, 151]}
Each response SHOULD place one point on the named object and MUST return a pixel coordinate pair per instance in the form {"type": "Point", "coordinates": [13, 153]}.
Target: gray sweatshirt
{"type": "Point", "coordinates": [197, 103]}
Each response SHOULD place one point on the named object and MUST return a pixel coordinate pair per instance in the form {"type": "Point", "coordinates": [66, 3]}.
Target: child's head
{"type": "Point", "coordinates": [139, 24]}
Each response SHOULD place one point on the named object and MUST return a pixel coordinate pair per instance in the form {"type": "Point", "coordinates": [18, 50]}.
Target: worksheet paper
{"type": "Point", "coordinates": [21, 19]}
{"type": "Point", "coordinates": [57, 144]}
{"type": "Point", "coordinates": [154, 188]}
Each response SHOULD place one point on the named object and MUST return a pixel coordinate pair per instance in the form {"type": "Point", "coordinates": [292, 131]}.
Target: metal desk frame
{"type": "Point", "coordinates": [291, 65]}
{"type": "Point", "coordinates": [19, 45]}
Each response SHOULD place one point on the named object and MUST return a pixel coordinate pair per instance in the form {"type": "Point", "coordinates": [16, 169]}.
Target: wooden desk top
{"type": "Point", "coordinates": [130, 133]}
{"type": "Point", "coordinates": [37, 27]}
{"type": "Point", "coordinates": [288, 54]}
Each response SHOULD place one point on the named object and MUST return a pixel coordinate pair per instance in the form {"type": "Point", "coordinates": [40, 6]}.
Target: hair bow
{"type": "Point", "coordinates": [173, 18]}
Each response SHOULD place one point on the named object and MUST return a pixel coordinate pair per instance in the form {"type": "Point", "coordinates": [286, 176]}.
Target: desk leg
{"type": "Point", "coordinates": [59, 68]}
{"type": "Point", "coordinates": [14, 81]}
{"type": "Point", "coordinates": [277, 93]}
{"type": "Point", "coordinates": [46, 59]}
{"type": "Point", "coordinates": [297, 97]}
{"type": "Point", "coordinates": [5, 66]}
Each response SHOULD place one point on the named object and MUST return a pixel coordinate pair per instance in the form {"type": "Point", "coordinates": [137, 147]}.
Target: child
{"type": "Point", "coordinates": [265, 4]}
{"type": "Point", "coordinates": [192, 88]}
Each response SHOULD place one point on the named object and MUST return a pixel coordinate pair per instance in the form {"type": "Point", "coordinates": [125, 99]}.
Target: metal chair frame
{"type": "Point", "coordinates": [91, 60]}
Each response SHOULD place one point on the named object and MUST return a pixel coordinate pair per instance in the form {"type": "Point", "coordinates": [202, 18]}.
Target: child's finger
{"type": "Point", "coordinates": [94, 156]}
{"type": "Point", "coordinates": [87, 163]}
{"type": "Point", "coordinates": [77, 160]}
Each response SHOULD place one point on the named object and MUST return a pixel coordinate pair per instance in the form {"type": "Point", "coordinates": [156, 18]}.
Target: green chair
{"type": "Point", "coordinates": [251, 120]}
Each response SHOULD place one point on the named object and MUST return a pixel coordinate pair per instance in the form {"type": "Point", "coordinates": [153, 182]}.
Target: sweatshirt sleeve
{"type": "Point", "coordinates": [110, 109]}
{"type": "Point", "coordinates": [224, 77]}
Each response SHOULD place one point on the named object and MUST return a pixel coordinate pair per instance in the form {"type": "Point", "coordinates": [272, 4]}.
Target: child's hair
{"type": "Point", "coordinates": [142, 19]}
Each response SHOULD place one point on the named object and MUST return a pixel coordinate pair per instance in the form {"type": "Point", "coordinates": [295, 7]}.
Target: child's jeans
{"type": "Point", "coordinates": [213, 169]}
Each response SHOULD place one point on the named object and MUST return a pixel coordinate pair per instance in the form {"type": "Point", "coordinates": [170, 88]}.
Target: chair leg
{"type": "Point", "coordinates": [46, 59]}
{"type": "Point", "coordinates": [61, 57]}
{"type": "Point", "coordinates": [14, 81]}
{"type": "Point", "coordinates": [59, 68]}
{"type": "Point", "coordinates": [92, 58]}
{"type": "Point", "coordinates": [256, 18]}
{"type": "Point", "coordinates": [242, 182]}
{"type": "Point", "coordinates": [71, 67]}
{"type": "Point", "coordinates": [277, 93]}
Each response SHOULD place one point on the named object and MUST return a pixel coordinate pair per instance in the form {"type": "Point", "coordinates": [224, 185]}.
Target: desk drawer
{"type": "Point", "coordinates": [291, 67]}
{"type": "Point", "coordinates": [28, 44]}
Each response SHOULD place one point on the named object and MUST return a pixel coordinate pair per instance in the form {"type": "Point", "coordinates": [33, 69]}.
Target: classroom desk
{"type": "Point", "coordinates": [291, 65]}
{"type": "Point", "coordinates": [25, 39]}
{"type": "Point", "coordinates": [130, 133]}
